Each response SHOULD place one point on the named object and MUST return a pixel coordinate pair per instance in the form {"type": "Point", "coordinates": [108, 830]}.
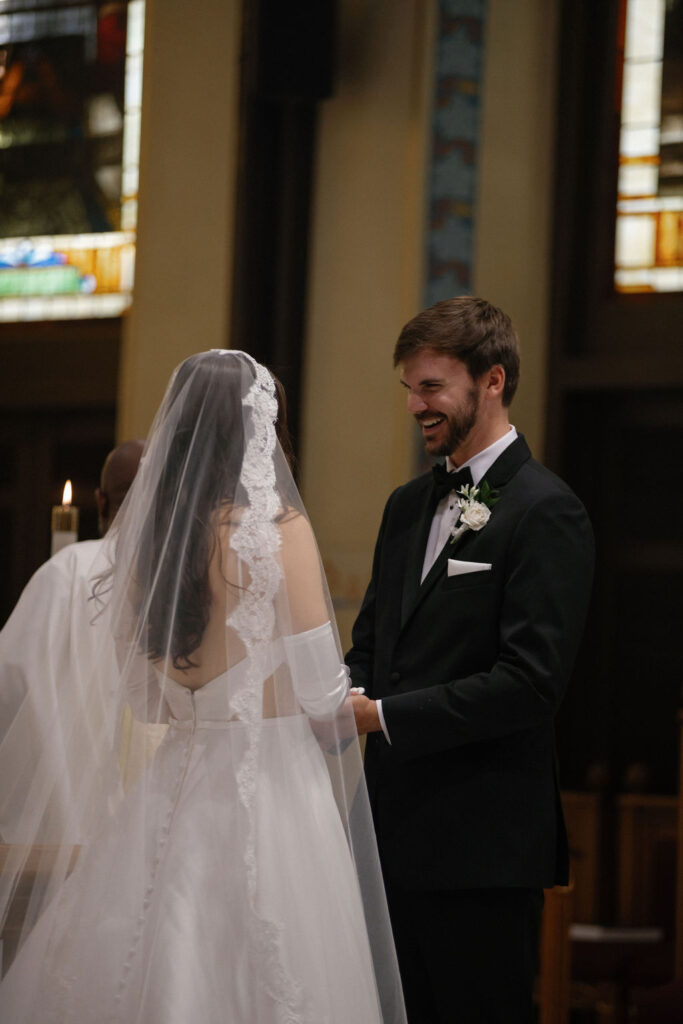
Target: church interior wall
{"type": "Point", "coordinates": [366, 277]}
{"type": "Point", "coordinates": [514, 224]}
{"type": "Point", "coordinates": [187, 180]}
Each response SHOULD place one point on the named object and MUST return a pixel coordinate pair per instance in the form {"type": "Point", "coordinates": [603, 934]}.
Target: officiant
{"type": "Point", "coordinates": [54, 618]}
{"type": "Point", "coordinates": [464, 643]}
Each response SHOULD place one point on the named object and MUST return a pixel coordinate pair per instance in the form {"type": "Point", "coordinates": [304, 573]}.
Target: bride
{"type": "Point", "coordinates": [226, 872]}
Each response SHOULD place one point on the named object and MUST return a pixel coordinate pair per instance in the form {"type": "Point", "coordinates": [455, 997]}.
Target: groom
{"type": "Point", "coordinates": [464, 644]}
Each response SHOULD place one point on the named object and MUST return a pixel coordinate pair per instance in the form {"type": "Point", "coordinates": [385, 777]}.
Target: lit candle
{"type": "Point", "coordinates": [64, 522]}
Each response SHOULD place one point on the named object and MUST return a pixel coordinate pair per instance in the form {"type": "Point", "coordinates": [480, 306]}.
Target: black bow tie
{"type": "Point", "coordinates": [445, 482]}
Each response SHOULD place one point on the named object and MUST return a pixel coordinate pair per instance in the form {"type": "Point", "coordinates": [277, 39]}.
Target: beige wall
{"type": "Point", "coordinates": [367, 236]}
{"type": "Point", "coordinates": [187, 183]}
{"type": "Point", "coordinates": [366, 274]}
{"type": "Point", "coordinates": [513, 240]}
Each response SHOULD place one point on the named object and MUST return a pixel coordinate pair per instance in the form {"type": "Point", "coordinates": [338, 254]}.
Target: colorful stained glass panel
{"type": "Point", "coordinates": [70, 102]}
{"type": "Point", "coordinates": [649, 227]}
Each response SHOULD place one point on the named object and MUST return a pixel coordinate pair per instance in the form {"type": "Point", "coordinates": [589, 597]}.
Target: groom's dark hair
{"type": "Point", "coordinates": [469, 329]}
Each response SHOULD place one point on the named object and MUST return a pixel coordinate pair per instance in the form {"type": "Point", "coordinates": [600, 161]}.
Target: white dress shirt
{"type": "Point", "coordinates": [447, 512]}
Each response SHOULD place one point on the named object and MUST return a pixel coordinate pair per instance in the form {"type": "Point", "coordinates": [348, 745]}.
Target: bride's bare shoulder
{"type": "Point", "coordinates": [303, 573]}
{"type": "Point", "coordinates": [300, 562]}
{"type": "Point", "coordinates": [296, 531]}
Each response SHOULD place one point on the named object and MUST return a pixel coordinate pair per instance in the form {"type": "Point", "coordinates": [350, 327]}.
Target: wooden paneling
{"type": "Point", "coordinates": [647, 858]}
{"type": "Point", "coordinates": [59, 364]}
{"type": "Point", "coordinates": [39, 450]}
{"type": "Point", "coordinates": [583, 816]}
{"type": "Point", "coordinates": [679, 860]}
{"type": "Point", "coordinates": [554, 982]}
{"type": "Point", "coordinates": [58, 391]}
{"type": "Point", "coordinates": [615, 433]}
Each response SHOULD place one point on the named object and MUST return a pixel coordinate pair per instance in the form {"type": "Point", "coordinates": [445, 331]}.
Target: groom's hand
{"type": "Point", "coordinates": [365, 710]}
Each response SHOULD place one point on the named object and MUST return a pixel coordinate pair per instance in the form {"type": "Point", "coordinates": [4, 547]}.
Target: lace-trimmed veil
{"type": "Point", "coordinates": [191, 723]}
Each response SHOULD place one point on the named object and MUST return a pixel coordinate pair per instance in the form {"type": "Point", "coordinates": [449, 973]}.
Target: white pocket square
{"type": "Point", "coordinates": [458, 568]}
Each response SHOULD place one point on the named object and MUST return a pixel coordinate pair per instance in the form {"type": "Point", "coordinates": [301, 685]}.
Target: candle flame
{"type": "Point", "coordinates": [66, 497]}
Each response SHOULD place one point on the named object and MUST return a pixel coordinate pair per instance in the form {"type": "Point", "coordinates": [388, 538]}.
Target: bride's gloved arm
{"type": "Point", "coordinates": [319, 677]}
{"type": "Point", "coordinates": [321, 682]}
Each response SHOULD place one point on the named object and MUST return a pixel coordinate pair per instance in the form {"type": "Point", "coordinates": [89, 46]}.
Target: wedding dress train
{"type": "Point", "coordinates": [138, 954]}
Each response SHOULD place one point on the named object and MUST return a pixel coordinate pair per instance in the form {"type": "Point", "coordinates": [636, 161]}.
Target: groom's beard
{"type": "Point", "coordinates": [458, 425]}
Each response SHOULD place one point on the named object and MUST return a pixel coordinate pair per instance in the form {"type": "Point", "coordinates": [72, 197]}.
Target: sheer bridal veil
{"type": "Point", "coordinates": [183, 816]}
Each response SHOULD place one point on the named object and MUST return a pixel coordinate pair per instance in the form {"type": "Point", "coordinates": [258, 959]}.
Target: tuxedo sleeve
{"type": "Point", "coordinates": [546, 589]}
{"type": "Point", "coordinates": [360, 658]}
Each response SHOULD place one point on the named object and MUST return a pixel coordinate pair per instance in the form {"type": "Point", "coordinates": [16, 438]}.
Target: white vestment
{"type": "Point", "coordinates": [39, 674]}
{"type": "Point", "coordinates": [54, 631]}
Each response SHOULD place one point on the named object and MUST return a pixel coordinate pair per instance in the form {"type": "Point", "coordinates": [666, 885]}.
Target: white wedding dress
{"type": "Point", "coordinates": [194, 841]}
{"type": "Point", "coordinates": [174, 947]}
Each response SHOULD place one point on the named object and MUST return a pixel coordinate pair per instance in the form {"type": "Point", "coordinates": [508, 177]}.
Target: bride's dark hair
{"type": "Point", "coordinates": [195, 492]}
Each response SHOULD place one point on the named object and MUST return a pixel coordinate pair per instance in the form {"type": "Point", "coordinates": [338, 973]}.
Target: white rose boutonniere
{"type": "Point", "coordinates": [475, 505]}
{"type": "Point", "coordinates": [474, 514]}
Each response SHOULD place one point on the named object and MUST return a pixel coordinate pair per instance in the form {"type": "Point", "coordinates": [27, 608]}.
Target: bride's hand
{"type": "Point", "coordinates": [335, 734]}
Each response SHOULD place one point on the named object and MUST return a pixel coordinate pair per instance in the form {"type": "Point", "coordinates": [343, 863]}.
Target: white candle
{"type": "Point", "coordinates": [64, 522]}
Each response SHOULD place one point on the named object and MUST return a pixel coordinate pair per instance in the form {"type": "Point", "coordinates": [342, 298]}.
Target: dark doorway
{"type": "Point", "coordinates": [287, 70]}
{"type": "Point", "coordinates": [615, 432]}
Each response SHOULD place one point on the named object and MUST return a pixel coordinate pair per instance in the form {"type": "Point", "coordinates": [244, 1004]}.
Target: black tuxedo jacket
{"type": "Point", "coordinates": [471, 670]}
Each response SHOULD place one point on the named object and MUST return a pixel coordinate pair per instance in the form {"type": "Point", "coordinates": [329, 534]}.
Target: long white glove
{"type": "Point", "coordinates": [320, 681]}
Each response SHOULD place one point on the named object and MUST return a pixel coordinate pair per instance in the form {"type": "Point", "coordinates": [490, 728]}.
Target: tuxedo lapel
{"type": "Point", "coordinates": [414, 592]}
{"type": "Point", "coordinates": [508, 462]}
{"type": "Point", "coordinates": [416, 550]}
{"type": "Point", "coordinates": [439, 567]}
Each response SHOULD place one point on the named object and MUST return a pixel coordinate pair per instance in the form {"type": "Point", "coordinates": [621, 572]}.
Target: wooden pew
{"type": "Point", "coordinates": [607, 953]}
{"type": "Point", "coordinates": [664, 1005]}
{"type": "Point", "coordinates": [564, 904]}
{"type": "Point", "coordinates": [678, 957]}
{"type": "Point", "coordinates": [647, 836]}
{"type": "Point", "coordinates": [554, 978]}
{"type": "Point", "coordinates": [583, 813]}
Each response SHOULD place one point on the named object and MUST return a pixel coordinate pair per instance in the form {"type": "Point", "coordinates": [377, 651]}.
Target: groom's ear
{"type": "Point", "coordinates": [494, 381]}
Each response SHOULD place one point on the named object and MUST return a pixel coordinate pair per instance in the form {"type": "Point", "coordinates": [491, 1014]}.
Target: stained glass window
{"type": "Point", "coordinates": [70, 101]}
{"type": "Point", "coordinates": [649, 229]}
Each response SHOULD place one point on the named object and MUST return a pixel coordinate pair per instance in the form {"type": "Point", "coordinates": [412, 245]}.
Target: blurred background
{"type": "Point", "coordinates": [299, 179]}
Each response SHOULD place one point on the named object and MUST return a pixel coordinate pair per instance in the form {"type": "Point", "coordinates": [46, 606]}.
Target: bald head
{"type": "Point", "coordinates": [118, 473]}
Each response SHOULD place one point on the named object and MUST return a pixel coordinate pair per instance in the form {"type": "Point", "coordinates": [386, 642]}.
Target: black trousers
{"type": "Point", "coordinates": [467, 956]}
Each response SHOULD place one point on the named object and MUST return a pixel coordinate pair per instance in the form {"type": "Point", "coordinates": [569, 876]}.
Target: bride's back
{"type": "Point", "coordinates": [300, 599]}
